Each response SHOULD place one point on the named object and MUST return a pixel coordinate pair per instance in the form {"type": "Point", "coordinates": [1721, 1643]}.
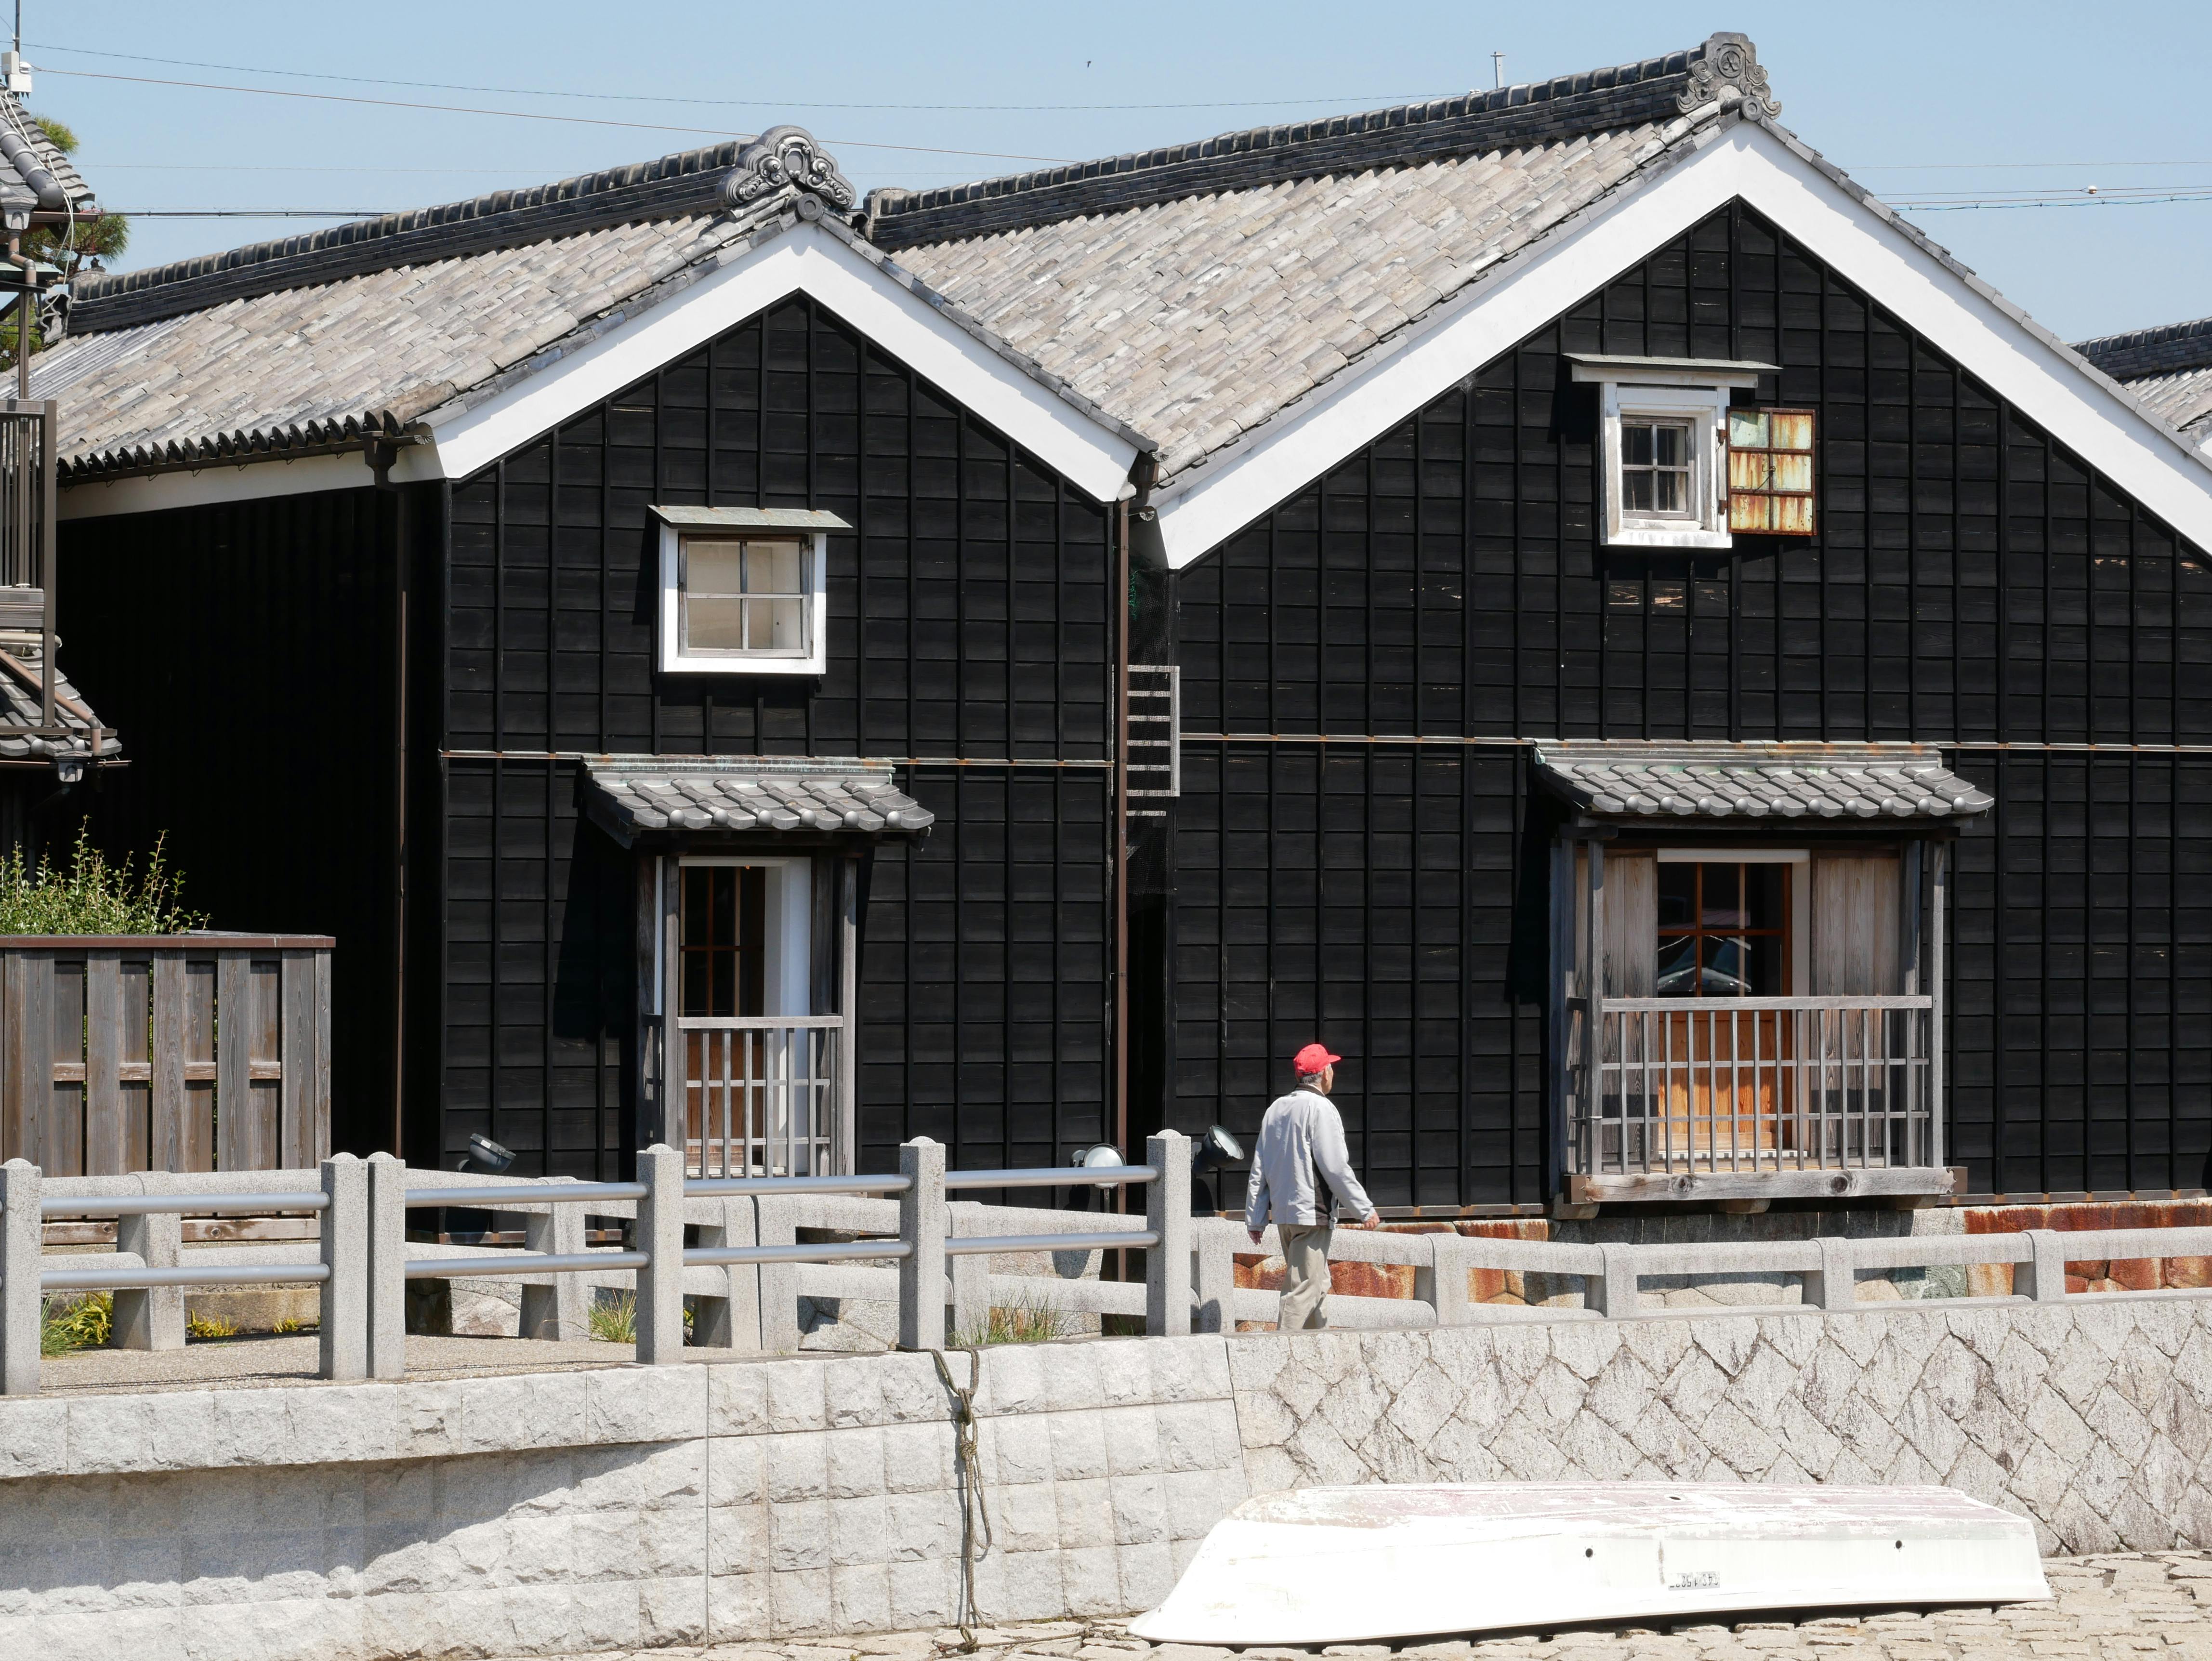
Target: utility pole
{"type": "Point", "coordinates": [1497, 69]}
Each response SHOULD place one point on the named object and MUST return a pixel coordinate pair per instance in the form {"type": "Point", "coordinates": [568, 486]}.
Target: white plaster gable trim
{"type": "Point", "coordinates": [219, 481]}
{"type": "Point", "coordinates": [804, 260]}
{"type": "Point", "coordinates": [1902, 271]}
{"type": "Point", "coordinates": [821, 259]}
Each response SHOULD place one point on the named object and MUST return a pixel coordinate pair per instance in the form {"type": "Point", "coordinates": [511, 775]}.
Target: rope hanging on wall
{"type": "Point", "coordinates": [974, 1517]}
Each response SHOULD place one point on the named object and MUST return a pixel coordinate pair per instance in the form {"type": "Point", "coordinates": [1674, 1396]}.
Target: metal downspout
{"type": "Point", "coordinates": [380, 452]}
{"type": "Point", "coordinates": [1121, 1083]}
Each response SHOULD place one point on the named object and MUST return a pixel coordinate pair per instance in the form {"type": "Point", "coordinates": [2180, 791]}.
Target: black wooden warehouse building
{"type": "Point", "coordinates": [1685, 687]}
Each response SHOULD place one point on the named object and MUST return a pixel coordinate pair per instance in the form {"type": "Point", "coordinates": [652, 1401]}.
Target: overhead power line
{"type": "Point", "coordinates": [530, 115]}
{"type": "Point", "coordinates": [738, 103]}
{"type": "Point", "coordinates": [2097, 201]}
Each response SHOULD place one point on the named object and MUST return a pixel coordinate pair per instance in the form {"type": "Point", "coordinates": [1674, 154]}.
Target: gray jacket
{"type": "Point", "coordinates": [1302, 1132]}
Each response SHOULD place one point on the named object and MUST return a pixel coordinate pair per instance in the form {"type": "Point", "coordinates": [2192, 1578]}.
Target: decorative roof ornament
{"type": "Point", "coordinates": [789, 156]}
{"type": "Point", "coordinates": [1728, 71]}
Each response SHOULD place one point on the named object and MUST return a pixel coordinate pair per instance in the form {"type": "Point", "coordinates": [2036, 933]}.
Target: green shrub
{"type": "Point", "coordinates": [85, 1323]}
{"type": "Point", "coordinates": [87, 896]}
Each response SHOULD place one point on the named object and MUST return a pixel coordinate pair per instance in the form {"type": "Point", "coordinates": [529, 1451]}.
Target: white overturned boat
{"type": "Point", "coordinates": [1346, 1564]}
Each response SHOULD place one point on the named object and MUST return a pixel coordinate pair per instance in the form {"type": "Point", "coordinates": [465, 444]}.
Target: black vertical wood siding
{"type": "Point", "coordinates": [1973, 583]}
{"type": "Point", "coordinates": [245, 653]}
{"type": "Point", "coordinates": [968, 624]}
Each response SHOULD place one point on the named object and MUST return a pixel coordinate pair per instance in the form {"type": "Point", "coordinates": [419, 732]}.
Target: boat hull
{"type": "Point", "coordinates": [1349, 1565]}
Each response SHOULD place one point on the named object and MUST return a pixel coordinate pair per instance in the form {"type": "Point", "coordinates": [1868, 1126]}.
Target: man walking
{"type": "Point", "coordinates": [1302, 1134]}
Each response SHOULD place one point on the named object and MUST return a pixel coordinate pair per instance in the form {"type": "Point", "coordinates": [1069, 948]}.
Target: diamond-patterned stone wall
{"type": "Point", "coordinates": [2093, 1417]}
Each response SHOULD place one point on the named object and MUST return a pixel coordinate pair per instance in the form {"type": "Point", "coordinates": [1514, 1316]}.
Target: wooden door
{"type": "Point", "coordinates": [1718, 932]}
{"type": "Point", "coordinates": [722, 972]}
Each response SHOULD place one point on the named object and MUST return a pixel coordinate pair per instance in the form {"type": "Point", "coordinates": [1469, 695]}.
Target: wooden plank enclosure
{"type": "Point", "coordinates": [172, 1052]}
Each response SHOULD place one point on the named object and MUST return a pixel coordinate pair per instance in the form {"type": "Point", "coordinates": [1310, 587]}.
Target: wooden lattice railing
{"type": "Point", "coordinates": [183, 1052]}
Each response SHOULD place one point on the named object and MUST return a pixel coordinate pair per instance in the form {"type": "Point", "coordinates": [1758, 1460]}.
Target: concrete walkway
{"type": "Point", "coordinates": [259, 1358]}
{"type": "Point", "coordinates": [2117, 1607]}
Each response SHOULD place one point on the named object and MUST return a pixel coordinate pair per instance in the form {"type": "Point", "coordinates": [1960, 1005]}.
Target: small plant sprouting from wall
{"type": "Point", "coordinates": [614, 1320]}
{"type": "Point", "coordinates": [86, 895]}
{"type": "Point", "coordinates": [1031, 1320]}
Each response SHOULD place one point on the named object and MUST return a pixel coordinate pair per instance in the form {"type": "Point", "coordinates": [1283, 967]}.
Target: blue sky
{"type": "Point", "coordinates": [1914, 100]}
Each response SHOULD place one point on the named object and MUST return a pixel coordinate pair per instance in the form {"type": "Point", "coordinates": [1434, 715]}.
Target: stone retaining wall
{"type": "Point", "coordinates": [637, 1506]}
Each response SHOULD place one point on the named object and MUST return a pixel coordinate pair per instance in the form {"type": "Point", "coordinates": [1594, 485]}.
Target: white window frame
{"type": "Point", "coordinates": [1676, 391]}
{"type": "Point", "coordinates": [811, 529]}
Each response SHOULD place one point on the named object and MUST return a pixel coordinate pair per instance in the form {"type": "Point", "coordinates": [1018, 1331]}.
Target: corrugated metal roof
{"type": "Point", "coordinates": [798, 795]}
{"type": "Point", "coordinates": [1626, 778]}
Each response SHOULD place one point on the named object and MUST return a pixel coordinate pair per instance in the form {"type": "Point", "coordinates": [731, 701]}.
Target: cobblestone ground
{"type": "Point", "coordinates": [2112, 1607]}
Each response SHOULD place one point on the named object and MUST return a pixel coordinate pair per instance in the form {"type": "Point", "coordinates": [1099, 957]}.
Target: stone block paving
{"type": "Point", "coordinates": [2111, 1607]}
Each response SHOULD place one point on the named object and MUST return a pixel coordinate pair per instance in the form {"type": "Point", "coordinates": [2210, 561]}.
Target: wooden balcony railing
{"type": "Point", "coordinates": [1703, 1086]}
{"type": "Point", "coordinates": [765, 1095]}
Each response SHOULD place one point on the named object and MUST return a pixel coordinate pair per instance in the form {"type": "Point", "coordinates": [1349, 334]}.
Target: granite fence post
{"type": "Point", "coordinates": [1613, 1294]}
{"type": "Point", "coordinates": [776, 1221]}
{"type": "Point", "coordinates": [387, 1267]}
{"type": "Point", "coordinates": [1447, 1280]}
{"type": "Point", "coordinates": [1835, 1284]}
{"type": "Point", "coordinates": [971, 1275]}
{"type": "Point", "coordinates": [554, 1313]}
{"type": "Point", "coordinates": [150, 1318]}
{"type": "Point", "coordinates": [1167, 1214]}
{"type": "Point", "coordinates": [732, 1319]}
{"type": "Point", "coordinates": [342, 1342]}
{"type": "Point", "coordinates": [922, 1226]}
{"type": "Point", "coordinates": [2043, 1276]}
{"type": "Point", "coordinates": [21, 1237]}
{"type": "Point", "coordinates": [661, 1237]}
{"type": "Point", "coordinates": [1216, 1271]}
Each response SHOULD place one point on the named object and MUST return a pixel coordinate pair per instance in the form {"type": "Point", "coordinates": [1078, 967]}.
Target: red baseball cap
{"type": "Point", "coordinates": [1311, 1059]}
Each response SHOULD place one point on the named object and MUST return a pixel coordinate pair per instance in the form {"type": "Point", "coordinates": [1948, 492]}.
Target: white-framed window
{"type": "Point", "coordinates": [1662, 447]}
{"type": "Point", "coordinates": [744, 590]}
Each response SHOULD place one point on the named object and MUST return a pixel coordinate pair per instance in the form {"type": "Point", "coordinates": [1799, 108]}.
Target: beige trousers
{"type": "Point", "coordinates": [1305, 1278]}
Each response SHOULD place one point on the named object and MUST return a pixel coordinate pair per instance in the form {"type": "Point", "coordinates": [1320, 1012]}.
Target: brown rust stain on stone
{"type": "Point", "coordinates": [2100, 1274]}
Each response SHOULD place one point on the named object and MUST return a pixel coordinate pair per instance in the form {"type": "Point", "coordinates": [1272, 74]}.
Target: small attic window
{"type": "Point", "coordinates": [1662, 445]}
{"type": "Point", "coordinates": [747, 596]}
{"type": "Point", "coordinates": [1770, 471]}
{"type": "Point", "coordinates": [744, 590]}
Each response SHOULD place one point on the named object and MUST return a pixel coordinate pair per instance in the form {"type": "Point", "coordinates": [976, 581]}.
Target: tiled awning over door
{"type": "Point", "coordinates": [797, 796]}
{"type": "Point", "coordinates": [1659, 780]}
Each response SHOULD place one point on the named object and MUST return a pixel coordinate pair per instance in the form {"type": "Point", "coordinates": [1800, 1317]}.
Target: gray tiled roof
{"type": "Point", "coordinates": [1196, 319]}
{"type": "Point", "coordinates": [365, 351]}
{"type": "Point", "coordinates": [308, 343]}
{"type": "Point", "coordinates": [1198, 291]}
{"type": "Point", "coordinates": [1621, 778]}
{"type": "Point", "coordinates": [35, 178]}
{"type": "Point", "coordinates": [20, 708]}
{"type": "Point", "coordinates": [2168, 368]}
{"type": "Point", "coordinates": [811, 794]}
{"type": "Point", "coordinates": [1284, 254]}
{"type": "Point", "coordinates": [2183, 398]}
